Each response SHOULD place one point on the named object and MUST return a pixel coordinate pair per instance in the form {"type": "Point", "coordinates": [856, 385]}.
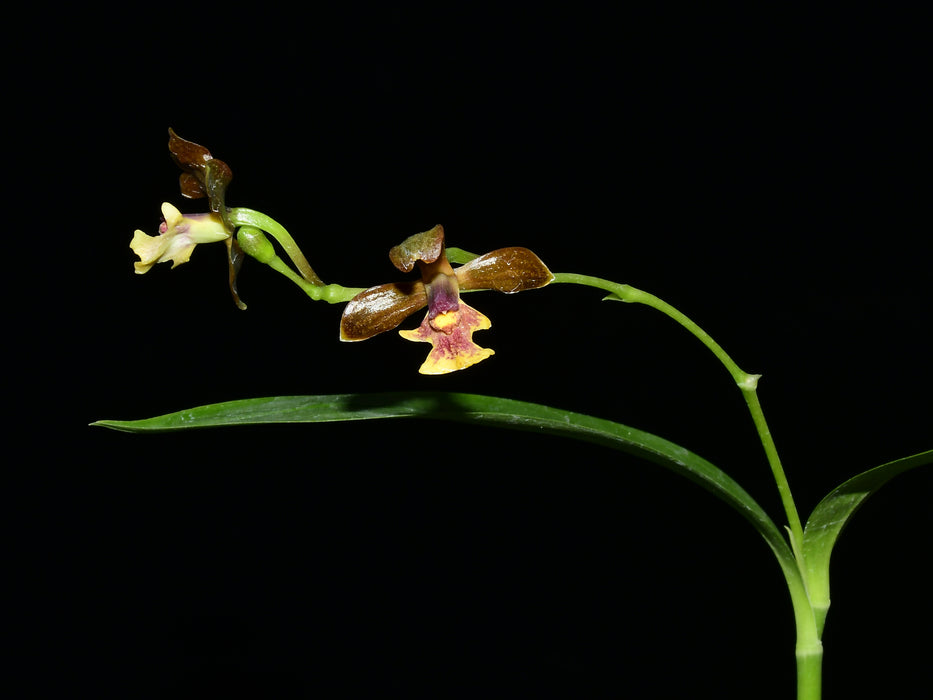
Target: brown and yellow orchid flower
{"type": "Point", "coordinates": [449, 323]}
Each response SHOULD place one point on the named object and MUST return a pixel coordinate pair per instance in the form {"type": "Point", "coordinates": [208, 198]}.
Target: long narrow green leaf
{"type": "Point", "coordinates": [833, 513]}
{"type": "Point", "coordinates": [472, 408]}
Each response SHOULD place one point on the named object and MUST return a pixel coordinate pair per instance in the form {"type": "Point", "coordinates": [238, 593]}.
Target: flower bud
{"type": "Point", "coordinates": [254, 243]}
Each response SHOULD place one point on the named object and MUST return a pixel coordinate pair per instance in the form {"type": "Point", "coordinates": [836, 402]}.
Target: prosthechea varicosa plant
{"type": "Point", "coordinates": [802, 550]}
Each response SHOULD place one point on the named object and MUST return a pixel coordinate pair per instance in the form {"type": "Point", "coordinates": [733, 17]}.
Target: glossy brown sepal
{"type": "Point", "coordinates": [507, 270]}
{"type": "Point", "coordinates": [380, 309]}
{"type": "Point", "coordinates": [187, 155]}
{"type": "Point", "coordinates": [204, 175]}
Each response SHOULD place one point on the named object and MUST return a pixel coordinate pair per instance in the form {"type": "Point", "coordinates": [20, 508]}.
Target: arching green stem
{"type": "Point", "coordinates": [254, 243]}
{"type": "Point", "coordinates": [747, 383]}
{"type": "Point", "coordinates": [809, 648]}
{"type": "Point", "coordinates": [241, 216]}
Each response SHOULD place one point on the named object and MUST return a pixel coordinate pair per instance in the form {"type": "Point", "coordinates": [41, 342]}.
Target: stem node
{"type": "Point", "coordinates": [749, 382]}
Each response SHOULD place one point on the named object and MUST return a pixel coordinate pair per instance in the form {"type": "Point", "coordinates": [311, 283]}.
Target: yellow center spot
{"type": "Point", "coordinates": [445, 321]}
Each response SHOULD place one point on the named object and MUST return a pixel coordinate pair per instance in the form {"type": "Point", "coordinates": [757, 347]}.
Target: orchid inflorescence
{"type": "Point", "coordinates": [449, 323]}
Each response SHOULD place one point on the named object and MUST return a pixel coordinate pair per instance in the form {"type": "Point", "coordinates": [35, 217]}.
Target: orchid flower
{"type": "Point", "coordinates": [450, 323]}
{"type": "Point", "coordinates": [178, 235]}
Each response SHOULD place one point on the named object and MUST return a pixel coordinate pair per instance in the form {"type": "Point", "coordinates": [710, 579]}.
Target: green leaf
{"type": "Point", "coordinates": [472, 408]}
{"type": "Point", "coordinates": [833, 513]}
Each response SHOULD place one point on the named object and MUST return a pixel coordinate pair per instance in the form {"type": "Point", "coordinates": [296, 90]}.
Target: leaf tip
{"type": "Point", "coordinates": [111, 424]}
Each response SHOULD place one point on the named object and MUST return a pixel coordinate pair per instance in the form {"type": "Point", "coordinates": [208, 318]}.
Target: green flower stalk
{"type": "Point", "coordinates": [254, 243]}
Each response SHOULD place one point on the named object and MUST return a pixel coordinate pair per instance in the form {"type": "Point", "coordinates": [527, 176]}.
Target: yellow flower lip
{"type": "Point", "coordinates": [178, 236]}
{"type": "Point", "coordinates": [451, 337]}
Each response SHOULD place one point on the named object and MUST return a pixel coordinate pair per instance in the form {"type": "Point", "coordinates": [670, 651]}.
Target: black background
{"type": "Point", "coordinates": [763, 173]}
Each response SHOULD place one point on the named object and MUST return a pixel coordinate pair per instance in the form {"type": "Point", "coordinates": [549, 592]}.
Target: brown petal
{"type": "Point", "coordinates": [506, 270]}
{"type": "Point", "coordinates": [426, 246]}
{"type": "Point", "coordinates": [190, 187]}
{"type": "Point", "coordinates": [380, 309]}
